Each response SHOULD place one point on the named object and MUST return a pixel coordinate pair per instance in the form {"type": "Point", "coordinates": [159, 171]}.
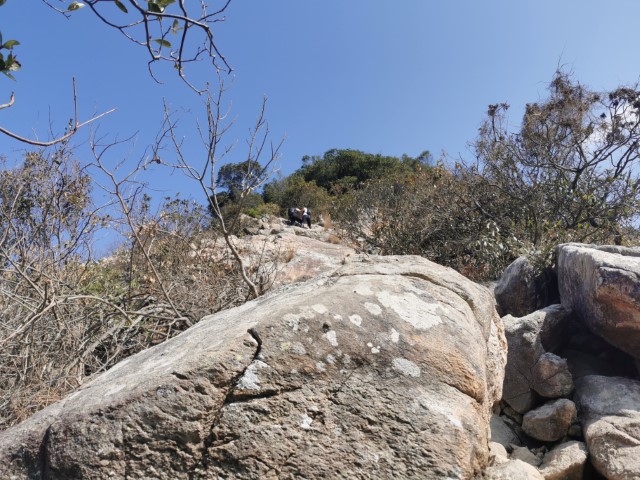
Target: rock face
{"type": "Point", "coordinates": [565, 462]}
{"type": "Point", "coordinates": [601, 284]}
{"type": "Point", "coordinates": [385, 368]}
{"type": "Point", "coordinates": [529, 338]}
{"type": "Point", "coordinates": [551, 376]}
{"type": "Point", "coordinates": [513, 470]}
{"type": "Point", "coordinates": [521, 291]}
{"type": "Point", "coordinates": [516, 292]}
{"type": "Point", "coordinates": [551, 421]}
{"type": "Point", "coordinates": [610, 415]}
{"type": "Point", "coordinates": [502, 433]}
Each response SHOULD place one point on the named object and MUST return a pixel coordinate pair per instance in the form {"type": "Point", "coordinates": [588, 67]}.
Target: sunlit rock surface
{"type": "Point", "coordinates": [384, 368]}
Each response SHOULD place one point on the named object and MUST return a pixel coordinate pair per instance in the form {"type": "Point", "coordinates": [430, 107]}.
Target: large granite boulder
{"type": "Point", "coordinates": [512, 470]}
{"type": "Point", "coordinates": [601, 284]}
{"type": "Point", "coordinates": [521, 290]}
{"type": "Point", "coordinates": [528, 375]}
{"type": "Point", "coordinates": [610, 415]}
{"type": "Point", "coordinates": [516, 291]}
{"type": "Point", "coordinates": [385, 368]}
{"type": "Point", "coordinates": [551, 421]}
{"type": "Point", "coordinates": [565, 462]}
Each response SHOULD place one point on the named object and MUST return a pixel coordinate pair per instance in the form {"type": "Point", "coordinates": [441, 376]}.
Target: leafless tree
{"type": "Point", "coordinates": [260, 151]}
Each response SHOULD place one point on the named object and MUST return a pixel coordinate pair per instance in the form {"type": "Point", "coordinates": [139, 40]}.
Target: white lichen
{"type": "Point", "coordinates": [331, 337]}
{"type": "Point", "coordinates": [355, 319]}
{"type": "Point", "coordinates": [412, 309]}
{"type": "Point", "coordinates": [292, 320]}
{"type": "Point", "coordinates": [395, 336]}
{"type": "Point", "coordinates": [406, 367]}
{"type": "Point", "coordinates": [373, 308]}
{"type": "Point", "coordinates": [363, 289]}
{"type": "Point", "coordinates": [250, 380]}
{"type": "Point", "coordinates": [321, 309]}
{"type": "Point", "coordinates": [306, 421]}
{"type": "Point", "coordinates": [298, 349]}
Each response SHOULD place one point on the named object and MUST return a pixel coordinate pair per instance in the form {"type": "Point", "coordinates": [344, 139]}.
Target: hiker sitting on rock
{"type": "Point", "coordinates": [295, 215]}
{"type": "Point", "coordinates": [306, 217]}
{"type": "Point", "coordinates": [299, 216]}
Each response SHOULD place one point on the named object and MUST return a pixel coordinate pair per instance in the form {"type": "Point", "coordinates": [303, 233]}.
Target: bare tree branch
{"type": "Point", "coordinates": [72, 131]}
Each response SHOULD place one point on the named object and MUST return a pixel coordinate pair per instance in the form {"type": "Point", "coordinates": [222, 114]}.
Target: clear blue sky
{"type": "Point", "coordinates": [379, 76]}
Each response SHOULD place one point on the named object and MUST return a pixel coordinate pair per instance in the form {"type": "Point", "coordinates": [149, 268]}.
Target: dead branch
{"type": "Point", "coordinates": [72, 131]}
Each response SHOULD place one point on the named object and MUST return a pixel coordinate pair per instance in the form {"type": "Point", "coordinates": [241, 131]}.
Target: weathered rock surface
{"type": "Point", "coordinates": [516, 291]}
{"type": "Point", "coordinates": [497, 453]}
{"type": "Point", "coordinates": [526, 455]}
{"type": "Point", "coordinates": [551, 376]}
{"type": "Point", "coordinates": [386, 368]}
{"type": "Point", "coordinates": [610, 416]}
{"type": "Point", "coordinates": [529, 338]}
{"type": "Point", "coordinates": [602, 285]}
{"type": "Point", "coordinates": [502, 433]}
{"type": "Point", "coordinates": [551, 421]}
{"type": "Point", "coordinates": [513, 470]}
{"type": "Point", "coordinates": [565, 462]}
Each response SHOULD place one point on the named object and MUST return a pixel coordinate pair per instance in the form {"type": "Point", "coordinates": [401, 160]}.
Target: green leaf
{"type": "Point", "coordinates": [2, 2]}
{"type": "Point", "coordinates": [10, 76]}
{"type": "Point", "coordinates": [158, 6]}
{"type": "Point", "coordinates": [9, 44]}
{"type": "Point", "coordinates": [164, 3]}
{"type": "Point", "coordinates": [75, 6]}
{"type": "Point", "coordinates": [12, 64]}
{"type": "Point", "coordinates": [162, 42]}
{"type": "Point", "coordinates": [174, 27]}
{"type": "Point", "coordinates": [121, 6]}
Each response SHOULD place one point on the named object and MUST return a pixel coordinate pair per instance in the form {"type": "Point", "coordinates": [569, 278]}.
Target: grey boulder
{"type": "Point", "coordinates": [529, 338]}
{"type": "Point", "coordinates": [551, 421]}
{"type": "Point", "coordinates": [516, 291]}
{"type": "Point", "coordinates": [512, 470]}
{"type": "Point", "coordinates": [551, 376]}
{"type": "Point", "coordinates": [610, 416]}
{"type": "Point", "coordinates": [385, 368]}
{"type": "Point", "coordinates": [565, 462]}
{"type": "Point", "coordinates": [601, 284]}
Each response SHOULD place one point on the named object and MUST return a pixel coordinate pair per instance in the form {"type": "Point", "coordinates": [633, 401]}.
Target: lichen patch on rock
{"type": "Point", "coordinates": [412, 309]}
{"type": "Point", "coordinates": [250, 380]}
{"type": "Point", "coordinates": [355, 319]}
{"type": "Point", "coordinates": [373, 308]}
{"type": "Point", "coordinates": [332, 338]}
{"type": "Point", "coordinates": [406, 367]}
{"type": "Point", "coordinates": [321, 309]}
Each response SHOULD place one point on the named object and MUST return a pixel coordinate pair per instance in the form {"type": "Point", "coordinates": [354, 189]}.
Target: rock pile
{"type": "Point", "coordinates": [571, 397]}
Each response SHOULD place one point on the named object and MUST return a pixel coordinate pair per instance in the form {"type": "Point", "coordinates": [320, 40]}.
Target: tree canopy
{"type": "Point", "coordinates": [572, 164]}
{"type": "Point", "coordinates": [342, 169]}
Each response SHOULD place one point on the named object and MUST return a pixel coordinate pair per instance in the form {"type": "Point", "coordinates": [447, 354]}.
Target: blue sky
{"type": "Point", "coordinates": [380, 76]}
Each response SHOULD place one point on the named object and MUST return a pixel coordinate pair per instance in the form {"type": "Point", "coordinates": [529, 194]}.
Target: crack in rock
{"type": "Point", "coordinates": [228, 398]}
